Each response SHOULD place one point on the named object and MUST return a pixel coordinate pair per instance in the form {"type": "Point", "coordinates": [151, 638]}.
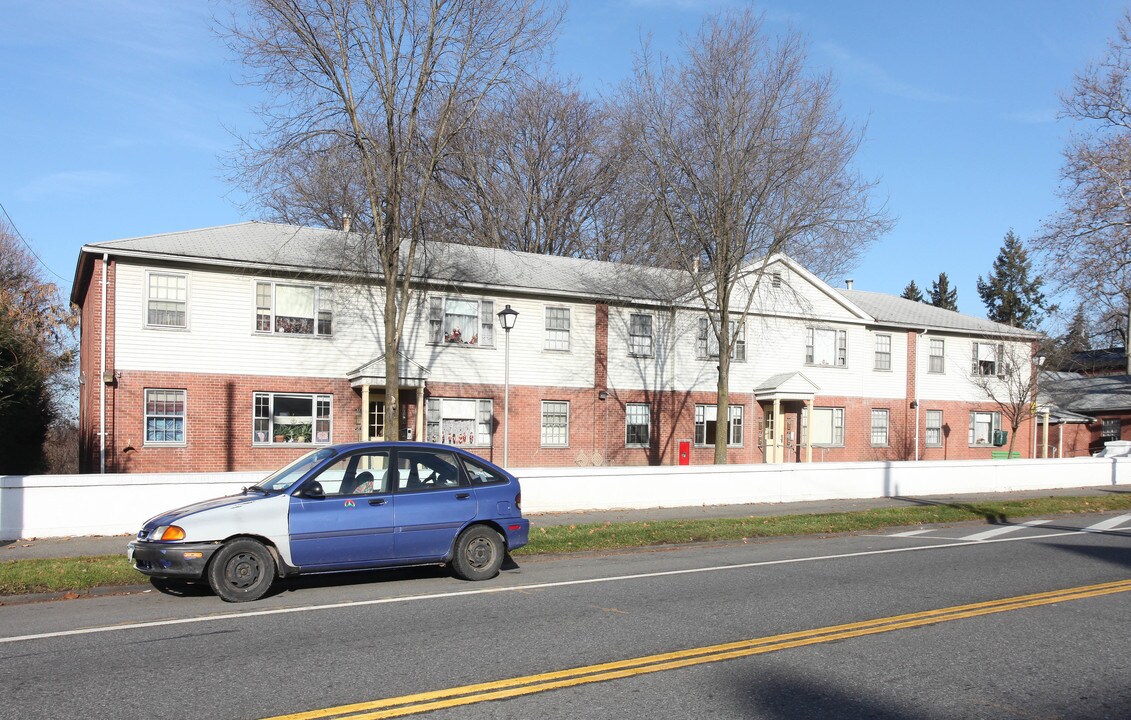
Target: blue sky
{"type": "Point", "coordinates": [117, 114]}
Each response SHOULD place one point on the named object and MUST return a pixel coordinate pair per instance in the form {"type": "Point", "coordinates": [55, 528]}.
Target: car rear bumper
{"type": "Point", "coordinates": [517, 530]}
{"type": "Point", "coordinates": [170, 560]}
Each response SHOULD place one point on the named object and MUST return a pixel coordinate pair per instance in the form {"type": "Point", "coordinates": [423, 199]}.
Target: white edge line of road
{"type": "Point", "coordinates": [515, 588]}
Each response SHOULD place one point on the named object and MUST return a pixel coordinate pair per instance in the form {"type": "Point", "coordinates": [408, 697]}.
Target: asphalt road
{"type": "Point", "coordinates": [967, 621]}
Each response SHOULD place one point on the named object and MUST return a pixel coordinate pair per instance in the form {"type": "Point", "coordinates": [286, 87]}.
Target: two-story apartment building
{"type": "Point", "coordinates": [238, 347]}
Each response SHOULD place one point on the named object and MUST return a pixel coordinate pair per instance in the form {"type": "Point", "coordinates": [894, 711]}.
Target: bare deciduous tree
{"type": "Point", "coordinates": [1087, 246]}
{"type": "Point", "coordinates": [389, 85]}
{"type": "Point", "coordinates": [746, 155]}
{"type": "Point", "coordinates": [1010, 381]}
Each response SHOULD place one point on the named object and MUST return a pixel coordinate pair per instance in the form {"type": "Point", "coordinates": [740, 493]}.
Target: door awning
{"type": "Point", "coordinates": [412, 374]}
{"type": "Point", "coordinates": [786, 386]}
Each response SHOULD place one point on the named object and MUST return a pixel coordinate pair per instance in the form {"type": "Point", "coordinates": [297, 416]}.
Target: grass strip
{"type": "Point", "coordinates": [18, 577]}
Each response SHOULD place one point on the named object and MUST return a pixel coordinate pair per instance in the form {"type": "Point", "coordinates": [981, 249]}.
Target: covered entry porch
{"type": "Point", "coordinates": [784, 398]}
{"type": "Point", "coordinates": [370, 383]}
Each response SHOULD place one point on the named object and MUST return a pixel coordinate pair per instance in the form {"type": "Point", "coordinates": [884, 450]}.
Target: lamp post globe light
{"type": "Point", "coordinates": [507, 316]}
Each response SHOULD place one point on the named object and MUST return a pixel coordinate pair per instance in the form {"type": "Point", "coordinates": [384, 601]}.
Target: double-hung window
{"type": "Point", "coordinates": [460, 422]}
{"type": "Point", "coordinates": [982, 427]}
{"type": "Point", "coordinates": [986, 359]}
{"type": "Point", "coordinates": [880, 428]}
{"type": "Point", "coordinates": [937, 356]}
{"type": "Point", "coordinates": [291, 418]}
{"type": "Point", "coordinates": [294, 309]}
{"type": "Point", "coordinates": [706, 425]}
{"type": "Point", "coordinates": [1111, 430]}
{"type": "Point", "coordinates": [164, 417]}
{"type": "Point", "coordinates": [640, 335]}
{"type": "Point", "coordinates": [934, 428]}
{"type": "Point", "coordinates": [707, 346]}
{"type": "Point", "coordinates": [825, 427]}
{"type": "Point", "coordinates": [883, 352]}
{"type": "Point", "coordinates": [557, 329]}
{"type": "Point", "coordinates": [637, 425]}
{"type": "Point", "coordinates": [555, 423]}
{"type": "Point", "coordinates": [462, 321]}
{"type": "Point", "coordinates": [166, 300]}
{"type": "Point", "coordinates": [826, 346]}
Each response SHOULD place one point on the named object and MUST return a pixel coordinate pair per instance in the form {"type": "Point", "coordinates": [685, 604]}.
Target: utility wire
{"type": "Point", "coordinates": [30, 249]}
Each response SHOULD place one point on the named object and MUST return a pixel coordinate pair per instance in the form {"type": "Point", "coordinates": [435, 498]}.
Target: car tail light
{"type": "Point", "coordinates": [518, 501]}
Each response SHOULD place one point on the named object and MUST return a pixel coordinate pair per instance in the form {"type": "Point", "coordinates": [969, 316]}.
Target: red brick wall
{"type": "Point", "coordinates": [90, 367]}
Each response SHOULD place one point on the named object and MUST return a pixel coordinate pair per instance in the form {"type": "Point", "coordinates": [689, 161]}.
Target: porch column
{"type": "Point", "coordinates": [809, 432]}
{"type": "Point", "coordinates": [418, 434]}
{"type": "Point", "coordinates": [778, 453]}
{"type": "Point", "coordinates": [365, 413]}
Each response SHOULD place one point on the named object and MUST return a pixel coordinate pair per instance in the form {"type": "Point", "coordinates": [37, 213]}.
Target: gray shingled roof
{"type": "Point", "coordinates": [1087, 395]}
{"type": "Point", "coordinates": [894, 310]}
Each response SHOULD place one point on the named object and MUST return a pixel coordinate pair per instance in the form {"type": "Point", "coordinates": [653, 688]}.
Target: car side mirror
{"type": "Point", "coordinates": [313, 490]}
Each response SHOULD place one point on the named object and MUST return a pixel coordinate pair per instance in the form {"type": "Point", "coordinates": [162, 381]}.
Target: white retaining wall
{"type": "Point", "coordinates": [75, 505]}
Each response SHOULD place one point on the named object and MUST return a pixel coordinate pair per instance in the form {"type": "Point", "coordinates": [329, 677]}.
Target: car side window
{"type": "Point", "coordinates": [480, 475]}
{"type": "Point", "coordinates": [362, 473]}
{"type": "Point", "coordinates": [421, 470]}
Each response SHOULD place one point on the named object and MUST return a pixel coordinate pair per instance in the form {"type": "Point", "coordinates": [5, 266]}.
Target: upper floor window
{"type": "Point", "coordinates": [883, 352]}
{"type": "Point", "coordinates": [460, 422]}
{"type": "Point", "coordinates": [555, 423]}
{"type": "Point", "coordinates": [462, 321]}
{"type": "Point", "coordinates": [880, 427]}
{"type": "Point", "coordinates": [938, 356]}
{"type": "Point", "coordinates": [640, 335]}
{"type": "Point", "coordinates": [637, 424]}
{"type": "Point", "coordinates": [294, 309]}
{"type": "Point", "coordinates": [164, 416]}
{"type": "Point", "coordinates": [934, 428]}
{"type": "Point", "coordinates": [166, 300]}
{"type": "Point", "coordinates": [707, 346]}
{"type": "Point", "coordinates": [557, 328]}
{"type": "Point", "coordinates": [706, 425]}
{"type": "Point", "coordinates": [986, 359]}
{"type": "Point", "coordinates": [826, 346]}
{"type": "Point", "coordinates": [280, 418]}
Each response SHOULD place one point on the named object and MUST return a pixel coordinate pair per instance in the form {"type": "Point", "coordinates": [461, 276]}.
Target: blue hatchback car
{"type": "Point", "coordinates": [342, 507]}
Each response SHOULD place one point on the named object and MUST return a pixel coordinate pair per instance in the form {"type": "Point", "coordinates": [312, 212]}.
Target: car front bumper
{"type": "Point", "coordinates": [171, 560]}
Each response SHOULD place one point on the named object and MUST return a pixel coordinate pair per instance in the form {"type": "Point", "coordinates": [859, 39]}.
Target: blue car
{"type": "Point", "coordinates": [343, 507]}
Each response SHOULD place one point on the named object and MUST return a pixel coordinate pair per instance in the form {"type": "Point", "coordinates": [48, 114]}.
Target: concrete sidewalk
{"type": "Point", "coordinates": [116, 544]}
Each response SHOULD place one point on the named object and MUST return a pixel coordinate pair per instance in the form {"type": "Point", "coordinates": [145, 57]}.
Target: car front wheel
{"type": "Point", "coordinates": [479, 553]}
{"type": "Point", "coordinates": [241, 571]}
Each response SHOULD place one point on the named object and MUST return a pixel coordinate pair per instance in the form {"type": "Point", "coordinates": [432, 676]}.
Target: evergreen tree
{"type": "Point", "coordinates": [1077, 337]}
{"type": "Point", "coordinates": [912, 292]}
{"type": "Point", "coordinates": [942, 295]}
{"type": "Point", "coordinates": [1011, 297]}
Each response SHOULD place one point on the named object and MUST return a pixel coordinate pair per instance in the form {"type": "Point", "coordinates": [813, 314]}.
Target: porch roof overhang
{"type": "Point", "coordinates": [786, 386]}
{"type": "Point", "coordinates": [412, 374]}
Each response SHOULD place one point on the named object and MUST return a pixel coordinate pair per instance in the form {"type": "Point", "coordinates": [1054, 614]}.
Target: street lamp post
{"type": "Point", "coordinates": [507, 316]}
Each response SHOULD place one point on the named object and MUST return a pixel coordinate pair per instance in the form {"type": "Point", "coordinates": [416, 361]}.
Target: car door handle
{"type": "Point", "coordinates": [377, 501]}
{"type": "Point", "coordinates": [462, 496]}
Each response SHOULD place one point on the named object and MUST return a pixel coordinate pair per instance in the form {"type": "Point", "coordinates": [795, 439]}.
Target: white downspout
{"type": "Point", "coordinates": [102, 376]}
{"type": "Point", "coordinates": [918, 347]}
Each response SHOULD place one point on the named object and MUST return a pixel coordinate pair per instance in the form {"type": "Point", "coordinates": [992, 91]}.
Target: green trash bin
{"type": "Point", "coordinates": [1001, 437]}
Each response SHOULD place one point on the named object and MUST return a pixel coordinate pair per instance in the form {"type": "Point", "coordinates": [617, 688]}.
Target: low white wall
{"type": "Point", "coordinates": [66, 505]}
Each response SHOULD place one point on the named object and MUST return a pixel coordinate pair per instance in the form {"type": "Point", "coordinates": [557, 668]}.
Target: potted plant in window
{"type": "Point", "coordinates": [301, 433]}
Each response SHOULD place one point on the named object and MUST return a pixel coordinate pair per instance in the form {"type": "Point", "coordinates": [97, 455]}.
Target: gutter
{"type": "Point", "coordinates": [102, 375]}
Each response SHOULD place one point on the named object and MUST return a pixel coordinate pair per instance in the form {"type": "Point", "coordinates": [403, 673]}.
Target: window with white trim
{"type": "Point", "coordinates": [938, 356]}
{"type": "Point", "coordinates": [1111, 429]}
{"type": "Point", "coordinates": [706, 425]}
{"type": "Point", "coordinates": [879, 428]}
{"type": "Point", "coordinates": [707, 345]}
{"type": "Point", "coordinates": [557, 329]}
{"type": "Point", "coordinates": [982, 427]}
{"type": "Point", "coordinates": [934, 436]}
{"type": "Point", "coordinates": [458, 421]}
{"type": "Point", "coordinates": [640, 335]}
{"type": "Point", "coordinates": [288, 309]}
{"type": "Point", "coordinates": [826, 428]}
{"type": "Point", "coordinates": [986, 359]}
{"type": "Point", "coordinates": [291, 418]}
{"type": "Point", "coordinates": [464, 322]}
{"type": "Point", "coordinates": [166, 300]}
{"type": "Point", "coordinates": [637, 425]}
{"type": "Point", "coordinates": [165, 417]}
{"type": "Point", "coordinates": [883, 352]}
{"type": "Point", "coordinates": [555, 423]}
{"type": "Point", "coordinates": [826, 346]}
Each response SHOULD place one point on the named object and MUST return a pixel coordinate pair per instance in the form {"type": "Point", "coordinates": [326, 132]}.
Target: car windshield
{"type": "Point", "coordinates": [281, 480]}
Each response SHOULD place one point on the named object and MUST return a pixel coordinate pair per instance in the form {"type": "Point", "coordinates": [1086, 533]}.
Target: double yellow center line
{"type": "Point", "coordinates": [530, 684]}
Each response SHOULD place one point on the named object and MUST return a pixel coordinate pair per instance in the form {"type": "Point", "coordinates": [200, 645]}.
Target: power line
{"type": "Point", "coordinates": [30, 249]}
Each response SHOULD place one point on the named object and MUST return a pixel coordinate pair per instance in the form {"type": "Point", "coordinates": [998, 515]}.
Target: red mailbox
{"type": "Point", "coordinates": [684, 452]}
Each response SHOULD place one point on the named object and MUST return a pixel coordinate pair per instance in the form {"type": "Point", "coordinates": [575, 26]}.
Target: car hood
{"type": "Point", "coordinates": [172, 516]}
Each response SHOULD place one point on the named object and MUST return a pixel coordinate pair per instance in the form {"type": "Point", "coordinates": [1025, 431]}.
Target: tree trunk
{"type": "Point", "coordinates": [722, 408]}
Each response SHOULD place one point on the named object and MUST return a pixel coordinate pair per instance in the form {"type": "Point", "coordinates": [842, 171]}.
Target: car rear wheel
{"type": "Point", "coordinates": [241, 571]}
{"type": "Point", "coordinates": [479, 553]}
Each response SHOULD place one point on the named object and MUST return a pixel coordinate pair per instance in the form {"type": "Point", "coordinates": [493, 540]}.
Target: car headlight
{"type": "Point", "coordinates": [168, 533]}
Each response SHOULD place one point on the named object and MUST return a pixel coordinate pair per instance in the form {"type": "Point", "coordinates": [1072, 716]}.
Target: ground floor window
{"type": "Point", "coordinates": [1111, 430]}
{"type": "Point", "coordinates": [164, 416]}
{"type": "Point", "coordinates": [934, 428]}
{"type": "Point", "coordinates": [880, 428]}
{"type": "Point", "coordinates": [982, 427]}
{"type": "Point", "coordinates": [706, 425]}
{"type": "Point", "coordinates": [291, 418]}
{"type": "Point", "coordinates": [826, 427]}
{"type": "Point", "coordinates": [458, 421]}
{"type": "Point", "coordinates": [637, 425]}
{"type": "Point", "coordinates": [555, 423]}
